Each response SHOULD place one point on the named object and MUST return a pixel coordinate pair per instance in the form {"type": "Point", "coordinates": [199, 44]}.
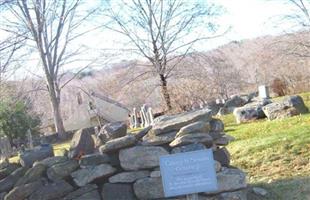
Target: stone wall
{"type": "Point", "coordinates": [127, 165]}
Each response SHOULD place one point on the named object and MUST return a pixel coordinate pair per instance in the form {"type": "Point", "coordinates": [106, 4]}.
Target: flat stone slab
{"type": "Point", "coordinates": [94, 159]}
{"type": "Point", "coordinates": [141, 157]}
{"type": "Point", "coordinates": [81, 191]}
{"type": "Point", "coordinates": [118, 143]}
{"type": "Point", "coordinates": [62, 170]}
{"type": "Point", "coordinates": [33, 174]}
{"type": "Point", "coordinates": [23, 191]}
{"type": "Point", "coordinates": [84, 176]}
{"type": "Point", "coordinates": [151, 139]}
{"type": "Point", "coordinates": [188, 148]}
{"type": "Point", "coordinates": [203, 138]}
{"type": "Point", "coordinates": [196, 127]}
{"type": "Point", "coordinates": [175, 122]}
{"type": "Point", "coordinates": [128, 177]}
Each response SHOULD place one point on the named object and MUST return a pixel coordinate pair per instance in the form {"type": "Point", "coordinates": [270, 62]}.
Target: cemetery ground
{"type": "Point", "coordinates": [275, 154]}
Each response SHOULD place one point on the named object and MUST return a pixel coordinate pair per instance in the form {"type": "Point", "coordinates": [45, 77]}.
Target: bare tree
{"type": "Point", "coordinates": [163, 32]}
{"type": "Point", "coordinates": [52, 26]}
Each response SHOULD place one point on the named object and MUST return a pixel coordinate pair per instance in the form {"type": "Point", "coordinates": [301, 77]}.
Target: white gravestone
{"type": "Point", "coordinates": [151, 116]}
{"type": "Point", "coordinates": [263, 92]}
{"type": "Point", "coordinates": [142, 119]}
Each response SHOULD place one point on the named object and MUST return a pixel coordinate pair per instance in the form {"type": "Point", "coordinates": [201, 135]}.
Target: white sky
{"type": "Point", "coordinates": [247, 19]}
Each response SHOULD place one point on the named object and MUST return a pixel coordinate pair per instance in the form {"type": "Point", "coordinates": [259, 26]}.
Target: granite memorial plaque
{"type": "Point", "coordinates": [188, 173]}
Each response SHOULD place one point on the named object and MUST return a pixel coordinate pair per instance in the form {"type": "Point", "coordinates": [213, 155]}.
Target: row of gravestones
{"type": "Point", "coordinates": [142, 118]}
{"type": "Point", "coordinates": [127, 164]}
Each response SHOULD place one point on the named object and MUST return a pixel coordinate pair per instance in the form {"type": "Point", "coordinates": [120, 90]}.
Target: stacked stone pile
{"type": "Point", "coordinates": [127, 165]}
{"type": "Point", "coordinates": [265, 108]}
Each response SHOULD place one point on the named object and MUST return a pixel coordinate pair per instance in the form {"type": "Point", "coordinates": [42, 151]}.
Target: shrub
{"type": "Point", "coordinates": [15, 120]}
{"type": "Point", "coordinates": [279, 87]}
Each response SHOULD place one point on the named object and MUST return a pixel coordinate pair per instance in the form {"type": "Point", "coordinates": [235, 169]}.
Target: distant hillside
{"type": "Point", "coordinates": [237, 67]}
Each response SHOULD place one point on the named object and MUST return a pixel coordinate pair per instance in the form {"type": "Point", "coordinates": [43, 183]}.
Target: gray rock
{"type": "Point", "coordinates": [260, 191]}
{"type": "Point", "coordinates": [142, 133]}
{"type": "Point", "coordinates": [141, 157]}
{"type": "Point", "coordinates": [235, 101]}
{"type": "Point", "coordinates": [2, 195]}
{"type": "Point", "coordinates": [82, 143]}
{"type": "Point", "coordinates": [33, 174]}
{"type": "Point", "coordinates": [4, 172]}
{"type": "Point", "coordinates": [251, 111]}
{"type": "Point", "coordinates": [218, 166]}
{"type": "Point", "coordinates": [155, 174]}
{"type": "Point", "coordinates": [237, 195]}
{"type": "Point", "coordinates": [7, 183]}
{"type": "Point", "coordinates": [118, 143]}
{"type": "Point", "coordinates": [52, 161]}
{"type": "Point", "coordinates": [93, 195]}
{"type": "Point", "coordinates": [149, 188]}
{"type": "Point", "coordinates": [38, 153]}
{"type": "Point", "coordinates": [117, 192]}
{"type": "Point", "coordinates": [152, 139]}
{"type": "Point", "coordinates": [196, 127]}
{"type": "Point", "coordinates": [216, 135]}
{"type": "Point", "coordinates": [84, 176]}
{"type": "Point", "coordinates": [203, 138]}
{"type": "Point", "coordinates": [112, 131]}
{"type": "Point", "coordinates": [81, 191]}
{"type": "Point", "coordinates": [287, 107]}
{"type": "Point", "coordinates": [216, 125]}
{"type": "Point", "coordinates": [188, 148]}
{"type": "Point", "coordinates": [222, 141]}
{"type": "Point", "coordinates": [23, 191]}
{"type": "Point", "coordinates": [222, 155]}
{"type": "Point", "coordinates": [52, 191]}
{"type": "Point", "coordinates": [128, 177]}
{"type": "Point", "coordinates": [230, 180]}
{"type": "Point", "coordinates": [174, 123]}
{"type": "Point", "coordinates": [94, 159]}
{"type": "Point", "coordinates": [62, 170]}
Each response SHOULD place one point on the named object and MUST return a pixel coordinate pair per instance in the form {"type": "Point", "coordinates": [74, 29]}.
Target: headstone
{"type": "Point", "coordinates": [30, 141]}
{"type": "Point", "coordinates": [263, 92]}
{"type": "Point", "coordinates": [135, 118]}
{"type": "Point", "coordinates": [142, 119]}
{"type": "Point", "coordinates": [145, 116]}
{"type": "Point", "coordinates": [188, 173]}
{"type": "Point", "coordinates": [151, 116]}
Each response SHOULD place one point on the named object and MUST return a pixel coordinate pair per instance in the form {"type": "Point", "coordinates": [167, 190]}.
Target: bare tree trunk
{"type": "Point", "coordinates": [54, 94]}
{"type": "Point", "coordinates": [165, 92]}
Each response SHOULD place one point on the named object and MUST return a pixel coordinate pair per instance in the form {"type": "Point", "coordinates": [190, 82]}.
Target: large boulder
{"type": "Point", "coordinates": [33, 174]}
{"type": "Point", "coordinates": [203, 138]}
{"type": "Point", "coordinates": [52, 191]}
{"type": "Point", "coordinates": [62, 170]}
{"type": "Point", "coordinates": [149, 188]}
{"type": "Point", "coordinates": [117, 192]}
{"type": "Point", "coordinates": [7, 183]}
{"type": "Point", "coordinates": [86, 175]}
{"type": "Point", "coordinates": [112, 131]}
{"type": "Point", "coordinates": [82, 143]}
{"type": "Point", "coordinates": [128, 177]}
{"type": "Point", "coordinates": [287, 107]}
{"type": "Point", "coordinates": [141, 157]}
{"type": "Point", "coordinates": [152, 139]}
{"type": "Point", "coordinates": [23, 191]}
{"type": "Point", "coordinates": [251, 111]}
{"type": "Point", "coordinates": [235, 101]}
{"type": "Point", "coordinates": [216, 125]}
{"type": "Point", "coordinates": [28, 157]}
{"type": "Point", "coordinates": [166, 124]}
{"type": "Point", "coordinates": [118, 143]}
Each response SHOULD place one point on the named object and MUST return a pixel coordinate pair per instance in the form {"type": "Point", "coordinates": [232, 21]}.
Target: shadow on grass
{"type": "Point", "coordinates": [297, 188]}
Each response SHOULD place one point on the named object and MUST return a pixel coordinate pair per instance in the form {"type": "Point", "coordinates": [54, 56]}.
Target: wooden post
{"type": "Point", "coordinates": [192, 197]}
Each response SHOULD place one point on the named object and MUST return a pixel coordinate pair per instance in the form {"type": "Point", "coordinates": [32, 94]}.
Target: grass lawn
{"type": "Point", "coordinates": [275, 154]}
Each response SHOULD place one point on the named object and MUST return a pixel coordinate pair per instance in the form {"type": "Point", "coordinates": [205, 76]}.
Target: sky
{"type": "Point", "coordinates": [247, 19]}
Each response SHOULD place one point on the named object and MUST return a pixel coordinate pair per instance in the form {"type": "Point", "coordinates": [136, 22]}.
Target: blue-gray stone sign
{"type": "Point", "coordinates": [188, 173]}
